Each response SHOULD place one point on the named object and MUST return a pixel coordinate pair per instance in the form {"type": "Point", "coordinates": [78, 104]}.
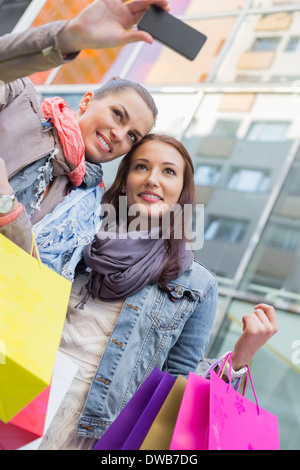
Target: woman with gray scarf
{"type": "Point", "coordinates": [143, 301]}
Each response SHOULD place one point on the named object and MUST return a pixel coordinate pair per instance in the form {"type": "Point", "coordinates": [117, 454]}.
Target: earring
{"type": "Point", "coordinates": [123, 190]}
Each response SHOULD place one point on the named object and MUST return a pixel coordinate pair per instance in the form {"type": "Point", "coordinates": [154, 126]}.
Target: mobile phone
{"type": "Point", "coordinates": [172, 32]}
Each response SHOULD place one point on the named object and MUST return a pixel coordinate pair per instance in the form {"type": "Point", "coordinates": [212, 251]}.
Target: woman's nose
{"type": "Point", "coordinates": [153, 179]}
{"type": "Point", "coordinates": [118, 134]}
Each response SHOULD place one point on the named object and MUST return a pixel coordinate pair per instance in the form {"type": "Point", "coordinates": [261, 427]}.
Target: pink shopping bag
{"type": "Point", "coordinates": [27, 425]}
{"type": "Point", "coordinates": [215, 416]}
{"type": "Point", "coordinates": [25, 430]}
{"type": "Point", "coordinates": [191, 428]}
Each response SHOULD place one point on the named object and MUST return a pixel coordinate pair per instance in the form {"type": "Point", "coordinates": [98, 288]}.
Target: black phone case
{"type": "Point", "coordinates": [172, 32]}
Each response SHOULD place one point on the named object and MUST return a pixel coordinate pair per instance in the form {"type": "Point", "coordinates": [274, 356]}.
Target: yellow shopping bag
{"type": "Point", "coordinates": [33, 305]}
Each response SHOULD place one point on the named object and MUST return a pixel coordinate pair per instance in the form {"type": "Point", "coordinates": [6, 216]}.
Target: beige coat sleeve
{"type": "Point", "coordinates": [19, 231]}
{"type": "Point", "coordinates": [34, 50]}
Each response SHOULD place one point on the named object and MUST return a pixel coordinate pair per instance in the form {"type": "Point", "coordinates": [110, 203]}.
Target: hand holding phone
{"type": "Point", "coordinates": [172, 32]}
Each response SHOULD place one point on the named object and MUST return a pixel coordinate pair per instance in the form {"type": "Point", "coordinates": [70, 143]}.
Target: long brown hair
{"type": "Point", "coordinates": [187, 197]}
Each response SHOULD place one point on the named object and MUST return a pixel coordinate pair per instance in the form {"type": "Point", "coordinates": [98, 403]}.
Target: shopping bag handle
{"type": "Point", "coordinates": [35, 251]}
{"type": "Point", "coordinates": [248, 374]}
{"type": "Point", "coordinates": [216, 363]}
{"type": "Point", "coordinates": [253, 389]}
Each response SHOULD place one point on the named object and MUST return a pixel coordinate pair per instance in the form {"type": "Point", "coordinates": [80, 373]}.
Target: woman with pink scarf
{"type": "Point", "coordinates": [47, 150]}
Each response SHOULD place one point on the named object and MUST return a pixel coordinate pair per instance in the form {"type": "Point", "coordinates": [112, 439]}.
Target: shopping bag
{"type": "Point", "coordinates": [63, 374]}
{"type": "Point", "coordinates": [33, 306]}
{"type": "Point", "coordinates": [129, 429]}
{"type": "Point", "coordinates": [191, 428]}
{"type": "Point", "coordinates": [215, 416]}
{"type": "Point", "coordinates": [160, 433]}
{"type": "Point", "coordinates": [28, 426]}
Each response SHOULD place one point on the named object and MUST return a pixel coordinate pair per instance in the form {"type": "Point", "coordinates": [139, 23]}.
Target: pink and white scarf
{"type": "Point", "coordinates": [67, 127]}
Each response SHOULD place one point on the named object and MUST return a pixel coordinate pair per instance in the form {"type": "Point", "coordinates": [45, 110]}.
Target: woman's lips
{"type": "Point", "coordinates": [150, 197]}
{"type": "Point", "coordinates": [104, 143]}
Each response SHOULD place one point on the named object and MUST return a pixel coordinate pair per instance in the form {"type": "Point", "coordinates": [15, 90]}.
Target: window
{"type": "Point", "coordinates": [293, 45]}
{"type": "Point", "coordinates": [292, 183]}
{"type": "Point", "coordinates": [265, 44]}
{"type": "Point", "coordinates": [284, 79]}
{"type": "Point", "coordinates": [207, 175]}
{"type": "Point", "coordinates": [249, 180]}
{"type": "Point", "coordinates": [244, 78]}
{"type": "Point", "coordinates": [225, 229]}
{"type": "Point", "coordinates": [10, 13]}
{"type": "Point", "coordinates": [225, 128]}
{"type": "Point", "coordinates": [274, 3]}
{"type": "Point", "coordinates": [282, 237]}
{"type": "Point", "coordinates": [268, 131]}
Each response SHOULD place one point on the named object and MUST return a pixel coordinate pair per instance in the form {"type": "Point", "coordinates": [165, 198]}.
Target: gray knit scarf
{"type": "Point", "coordinates": [122, 267]}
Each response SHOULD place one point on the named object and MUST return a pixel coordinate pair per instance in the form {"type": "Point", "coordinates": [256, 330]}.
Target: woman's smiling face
{"type": "Point", "coordinates": [110, 126]}
{"type": "Point", "coordinates": [155, 178]}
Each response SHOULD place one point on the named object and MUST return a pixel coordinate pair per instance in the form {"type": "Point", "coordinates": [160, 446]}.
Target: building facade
{"type": "Point", "coordinates": [237, 110]}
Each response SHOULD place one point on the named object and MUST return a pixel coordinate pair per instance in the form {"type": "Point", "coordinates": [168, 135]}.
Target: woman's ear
{"type": "Point", "coordinates": [85, 101]}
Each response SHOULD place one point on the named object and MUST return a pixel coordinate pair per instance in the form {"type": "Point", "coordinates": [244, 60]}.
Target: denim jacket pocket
{"type": "Point", "coordinates": [169, 310]}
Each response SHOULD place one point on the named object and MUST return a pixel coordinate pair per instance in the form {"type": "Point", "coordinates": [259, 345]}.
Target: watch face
{"type": "Point", "coordinates": [6, 204]}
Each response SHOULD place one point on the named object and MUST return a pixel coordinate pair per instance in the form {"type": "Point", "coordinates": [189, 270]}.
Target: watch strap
{"type": "Point", "coordinates": [11, 217]}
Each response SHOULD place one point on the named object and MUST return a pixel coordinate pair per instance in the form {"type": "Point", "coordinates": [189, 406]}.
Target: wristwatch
{"type": "Point", "coordinates": [6, 203]}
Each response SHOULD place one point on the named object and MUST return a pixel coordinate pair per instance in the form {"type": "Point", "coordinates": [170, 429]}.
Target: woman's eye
{"type": "Point", "coordinates": [170, 171]}
{"type": "Point", "coordinates": [133, 137]}
{"type": "Point", "coordinates": [118, 114]}
{"type": "Point", "coordinates": [140, 166]}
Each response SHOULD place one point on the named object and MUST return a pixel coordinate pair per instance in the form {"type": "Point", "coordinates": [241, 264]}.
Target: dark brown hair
{"type": "Point", "coordinates": [187, 196]}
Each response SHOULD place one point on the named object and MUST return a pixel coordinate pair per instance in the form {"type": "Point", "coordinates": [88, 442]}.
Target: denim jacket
{"type": "Point", "coordinates": [154, 329]}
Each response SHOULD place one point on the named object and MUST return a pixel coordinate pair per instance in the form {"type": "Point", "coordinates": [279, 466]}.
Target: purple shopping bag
{"type": "Point", "coordinates": [215, 416]}
{"type": "Point", "coordinates": [131, 426]}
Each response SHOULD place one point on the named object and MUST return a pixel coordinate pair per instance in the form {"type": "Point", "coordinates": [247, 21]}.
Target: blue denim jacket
{"type": "Point", "coordinates": [63, 234]}
{"type": "Point", "coordinates": [154, 329]}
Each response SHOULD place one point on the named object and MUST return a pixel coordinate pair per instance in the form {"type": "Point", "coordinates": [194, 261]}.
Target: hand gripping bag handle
{"type": "Point", "coordinates": [216, 363]}
{"type": "Point", "coordinates": [248, 374]}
